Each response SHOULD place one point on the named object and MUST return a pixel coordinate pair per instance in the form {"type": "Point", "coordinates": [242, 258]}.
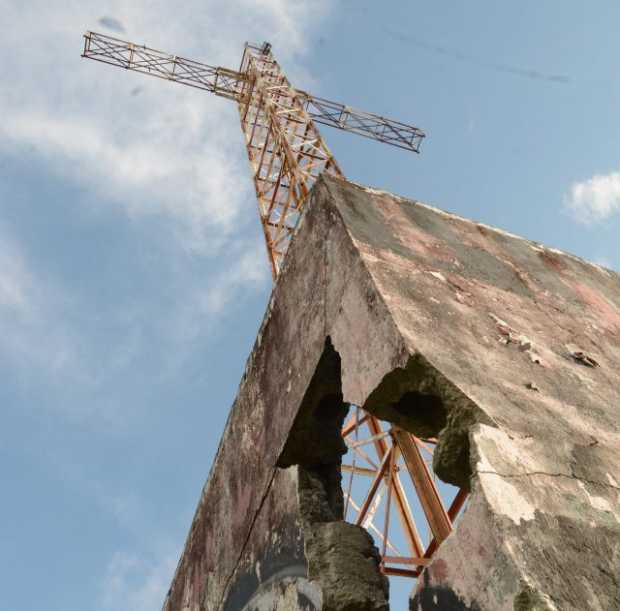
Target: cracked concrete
{"type": "Point", "coordinates": [440, 324]}
{"type": "Point", "coordinates": [534, 473]}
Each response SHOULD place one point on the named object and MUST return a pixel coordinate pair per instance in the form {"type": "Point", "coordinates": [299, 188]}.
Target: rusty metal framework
{"type": "Point", "coordinates": [287, 154]}
{"type": "Point", "coordinates": [285, 149]}
{"type": "Point", "coordinates": [382, 454]}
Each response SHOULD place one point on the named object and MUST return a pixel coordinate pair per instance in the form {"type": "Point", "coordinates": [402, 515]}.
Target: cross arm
{"type": "Point", "coordinates": [363, 123]}
{"type": "Point", "coordinates": [229, 84]}
{"type": "Point", "coordinates": [139, 58]}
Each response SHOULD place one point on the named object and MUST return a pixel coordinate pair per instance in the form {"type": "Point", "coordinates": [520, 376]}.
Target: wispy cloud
{"type": "Point", "coordinates": [73, 338]}
{"type": "Point", "coordinates": [75, 350]}
{"type": "Point", "coordinates": [32, 337]}
{"type": "Point", "coordinates": [595, 199]}
{"type": "Point", "coordinates": [247, 273]}
{"type": "Point", "coordinates": [172, 150]}
{"type": "Point", "coordinates": [135, 583]}
{"type": "Point", "coordinates": [16, 283]}
{"type": "Point", "coordinates": [196, 185]}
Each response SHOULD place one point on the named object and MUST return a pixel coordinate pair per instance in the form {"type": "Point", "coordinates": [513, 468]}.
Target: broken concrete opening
{"type": "Point", "coordinates": [390, 489]}
{"type": "Point", "coordinates": [419, 400]}
{"type": "Point", "coordinates": [389, 506]}
{"type": "Point", "coordinates": [530, 429]}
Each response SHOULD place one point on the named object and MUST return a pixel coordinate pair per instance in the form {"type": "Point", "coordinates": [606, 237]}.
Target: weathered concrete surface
{"type": "Point", "coordinates": [510, 349]}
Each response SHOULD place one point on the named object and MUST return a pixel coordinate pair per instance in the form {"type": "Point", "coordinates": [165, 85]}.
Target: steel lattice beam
{"type": "Point", "coordinates": [390, 443]}
{"type": "Point", "coordinates": [139, 58]}
{"type": "Point", "coordinates": [362, 123]}
{"type": "Point", "coordinates": [285, 149]}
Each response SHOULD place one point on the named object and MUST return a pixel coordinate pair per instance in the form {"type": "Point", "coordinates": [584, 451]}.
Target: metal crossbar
{"type": "Point", "coordinates": [139, 58]}
{"type": "Point", "coordinates": [362, 123]}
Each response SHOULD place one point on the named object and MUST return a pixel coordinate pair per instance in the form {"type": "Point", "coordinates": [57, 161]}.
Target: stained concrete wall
{"type": "Point", "coordinates": [508, 350]}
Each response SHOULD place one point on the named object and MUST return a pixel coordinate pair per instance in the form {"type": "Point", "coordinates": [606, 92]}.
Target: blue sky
{"type": "Point", "coordinates": [132, 273]}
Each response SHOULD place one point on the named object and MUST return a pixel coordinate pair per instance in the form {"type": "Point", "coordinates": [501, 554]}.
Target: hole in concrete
{"type": "Point", "coordinates": [425, 420]}
{"type": "Point", "coordinates": [393, 513]}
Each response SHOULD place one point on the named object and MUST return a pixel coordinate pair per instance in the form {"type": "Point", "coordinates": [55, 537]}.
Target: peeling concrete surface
{"type": "Point", "coordinates": [508, 350]}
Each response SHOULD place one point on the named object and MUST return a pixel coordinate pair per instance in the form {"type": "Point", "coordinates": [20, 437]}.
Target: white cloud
{"type": "Point", "coordinates": [249, 271]}
{"type": "Point", "coordinates": [168, 149]}
{"type": "Point", "coordinates": [15, 280]}
{"type": "Point", "coordinates": [162, 150]}
{"type": "Point", "coordinates": [205, 304]}
{"type": "Point", "coordinates": [595, 199]}
{"type": "Point", "coordinates": [133, 583]}
{"type": "Point", "coordinates": [31, 334]}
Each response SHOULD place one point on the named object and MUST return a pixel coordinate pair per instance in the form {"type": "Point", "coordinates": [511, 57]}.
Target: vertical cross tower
{"type": "Point", "coordinates": [285, 148]}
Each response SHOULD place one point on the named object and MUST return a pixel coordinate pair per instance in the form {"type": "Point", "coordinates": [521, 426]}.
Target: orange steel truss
{"type": "Point", "coordinates": [382, 457]}
{"type": "Point", "coordinates": [287, 154]}
{"type": "Point", "coordinates": [285, 148]}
